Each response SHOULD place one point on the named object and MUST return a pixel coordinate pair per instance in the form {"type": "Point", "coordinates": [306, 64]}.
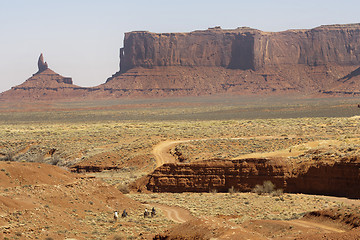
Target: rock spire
{"type": "Point", "coordinates": [41, 64]}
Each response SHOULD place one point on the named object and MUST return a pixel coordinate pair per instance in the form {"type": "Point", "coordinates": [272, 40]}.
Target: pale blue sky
{"type": "Point", "coordinates": [81, 38]}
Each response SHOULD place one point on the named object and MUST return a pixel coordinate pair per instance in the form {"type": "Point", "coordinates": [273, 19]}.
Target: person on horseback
{"type": "Point", "coordinates": [153, 212]}
{"type": "Point", "coordinates": [116, 215]}
{"type": "Point", "coordinates": [146, 213]}
{"type": "Point", "coordinates": [124, 214]}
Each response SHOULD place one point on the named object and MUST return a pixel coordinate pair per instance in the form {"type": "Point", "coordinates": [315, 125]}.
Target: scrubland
{"type": "Point", "coordinates": [122, 138]}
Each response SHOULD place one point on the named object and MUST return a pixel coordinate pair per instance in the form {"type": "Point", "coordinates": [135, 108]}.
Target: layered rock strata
{"type": "Point", "coordinates": [45, 84]}
{"type": "Point", "coordinates": [243, 61]}
{"type": "Point", "coordinates": [239, 61]}
{"type": "Point", "coordinates": [243, 48]}
{"type": "Point", "coordinates": [41, 64]}
{"type": "Point", "coordinates": [338, 178]}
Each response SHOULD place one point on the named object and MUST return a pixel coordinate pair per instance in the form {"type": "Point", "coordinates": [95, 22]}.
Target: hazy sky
{"type": "Point", "coordinates": [81, 38]}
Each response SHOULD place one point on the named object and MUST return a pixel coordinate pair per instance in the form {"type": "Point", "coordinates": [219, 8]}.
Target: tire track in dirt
{"type": "Point", "coordinates": [308, 224]}
{"type": "Point", "coordinates": [176, 214]}
{"type": "Point", "coordinates": [162, 152]}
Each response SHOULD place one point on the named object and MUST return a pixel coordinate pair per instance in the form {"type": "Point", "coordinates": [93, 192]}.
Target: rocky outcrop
{"type": "Point", "coordinates": [240, 61]}
{"type": "Point", "coordinates": [338, 178]}
{"type": "Point", "coordinates": [41, 64]}
{"type": "Point", "coordinates": [243, 61]}
{"type": "Point", "coordinates": [243, 48]}
{"type": "Point", "coordinates": [345, 86]}
{"type": "Point", "coordinates": [45, 85]}
{"type": "Point", "coordinates": [218, 175]}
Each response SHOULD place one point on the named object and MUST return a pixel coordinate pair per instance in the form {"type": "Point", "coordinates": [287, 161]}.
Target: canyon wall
{"type": "Point", "coordinates": [338, 178]}
{"type": "Point", "coordinates": [243, 48]}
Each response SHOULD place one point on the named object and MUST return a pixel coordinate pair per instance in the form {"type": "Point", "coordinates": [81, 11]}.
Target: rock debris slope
{"type": "Point", "coordinates": [239, 61]}
{"type": "Point", "coordinates": [45, 84]}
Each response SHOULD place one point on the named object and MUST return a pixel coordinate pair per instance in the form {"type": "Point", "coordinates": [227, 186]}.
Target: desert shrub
{"type": "Point", "coordinates": [259, 189]}
{"type": "Point", "coordinates": [213, 191]}
{"type": "Point", "coordinates": [266, 188]}
{"type": "Point", "coordinates": [232, 190]}
{"type": "Point", "coordinates": [277, 192]}
{"type": "Point", "coordinates": [54, 160]}
{"type": "Point", "coordinates": [10, 156]}
{"type": "Point", "coordinates": [123, 188]}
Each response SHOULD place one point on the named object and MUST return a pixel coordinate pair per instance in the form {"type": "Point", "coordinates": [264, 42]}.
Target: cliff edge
{"type": "Point", "coordinates": [239, 61]}
{"type": "Point", "coordinates": [243, 48]}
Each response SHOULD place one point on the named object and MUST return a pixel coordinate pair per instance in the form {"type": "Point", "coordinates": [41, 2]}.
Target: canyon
{"type": "Point", "coordinates": [321, 61]}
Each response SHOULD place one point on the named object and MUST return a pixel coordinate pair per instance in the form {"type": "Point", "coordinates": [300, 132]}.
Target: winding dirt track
{"type": "Point", "coordinates": [162, 152]}
{"type": "Point", "coordinates": [162, 155]}
{"type": "Point", "coordinates": [176, 214]}
{"type": "Point", "coordinates": [179, 215]}
{"type": "Point", "coordinates": [308, 224]}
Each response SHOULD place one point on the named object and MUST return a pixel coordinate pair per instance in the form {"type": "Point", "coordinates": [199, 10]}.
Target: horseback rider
{"type": "Point", "coordinates": [153, 212]}
{"type": "Point", "coordinates": [124, 214]}
{"type": "Point", "coordinates": [116, 215]}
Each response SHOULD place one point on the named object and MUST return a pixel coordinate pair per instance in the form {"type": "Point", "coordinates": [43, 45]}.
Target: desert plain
{"type": "Point", "coordinates": [67, 166]}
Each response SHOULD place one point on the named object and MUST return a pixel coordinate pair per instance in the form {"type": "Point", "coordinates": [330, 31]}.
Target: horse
{"type": "Point", "coordinates": [153, 212]}
{"type": "Point", "coordinates": [116, 215]}
{"type": "Point", "coordinates": [124, 214]}
{"type": "Point", "coordinates": [146, 213]}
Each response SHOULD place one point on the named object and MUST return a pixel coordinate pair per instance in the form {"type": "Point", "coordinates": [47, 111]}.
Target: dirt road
{"type": "Point", "coordinates": [176, 214]}
{"type": "Point", "coordinates": [309, 224]}
{"type": "Point", "coordinates": [162, 151]}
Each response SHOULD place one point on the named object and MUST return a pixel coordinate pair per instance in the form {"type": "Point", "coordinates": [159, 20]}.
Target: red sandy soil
{"type": "Point", "coordinates": [222, 227]}
{"type": "Point", "coordinates": [39, 201]}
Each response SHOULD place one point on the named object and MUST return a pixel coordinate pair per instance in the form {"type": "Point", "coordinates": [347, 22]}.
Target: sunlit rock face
{"type": "Point", "coordinates": [243, 48]}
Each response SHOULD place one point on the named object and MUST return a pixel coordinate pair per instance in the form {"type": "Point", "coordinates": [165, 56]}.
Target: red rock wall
{"type": "Point", "coordinates": [243, 48]}
{"type": "Point", "coordinates": [217, 175]}
{"type": "Point", "coordinates": [338, 179]}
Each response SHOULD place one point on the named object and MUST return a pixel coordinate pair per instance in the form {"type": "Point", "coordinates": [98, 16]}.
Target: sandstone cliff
{"type": "Point", "coordinates": [337, 177]}
{"type": "Point", "coordinates": [240, 61]}
{"type": "Point", "coordinates": [243, 48]}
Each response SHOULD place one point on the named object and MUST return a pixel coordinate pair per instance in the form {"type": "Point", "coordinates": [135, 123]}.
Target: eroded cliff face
{"type": "Point", "coordinates": [242, 61]}
{"type": "Point", "coordinates": [212, 48]}
{"type": "Point", "coordinates": [45, 84]}
{"type": "Point", "coordinates": [243, 48]}
{"type": "Point", "coordinates": [339, 178]}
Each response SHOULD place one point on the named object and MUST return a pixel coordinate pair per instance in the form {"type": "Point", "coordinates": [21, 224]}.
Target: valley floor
{"type": "Point", "coordinates": [127, 140]}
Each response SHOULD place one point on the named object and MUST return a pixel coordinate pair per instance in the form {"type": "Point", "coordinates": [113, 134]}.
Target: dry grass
{"type": "Point", "coordinates": [124, 139]}
{"type": "Point", "coordinates": [127, 144]}
{"type": "Point", "coordinates": [244, 205]}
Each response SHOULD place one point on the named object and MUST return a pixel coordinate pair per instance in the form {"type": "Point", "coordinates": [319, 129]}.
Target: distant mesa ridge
{"type": "Point", "coordinates": [45, 84]}
{"type": "Point", "coordinates": [243, 48]}
{"type": "Point", "coordinates": [242, 61]}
